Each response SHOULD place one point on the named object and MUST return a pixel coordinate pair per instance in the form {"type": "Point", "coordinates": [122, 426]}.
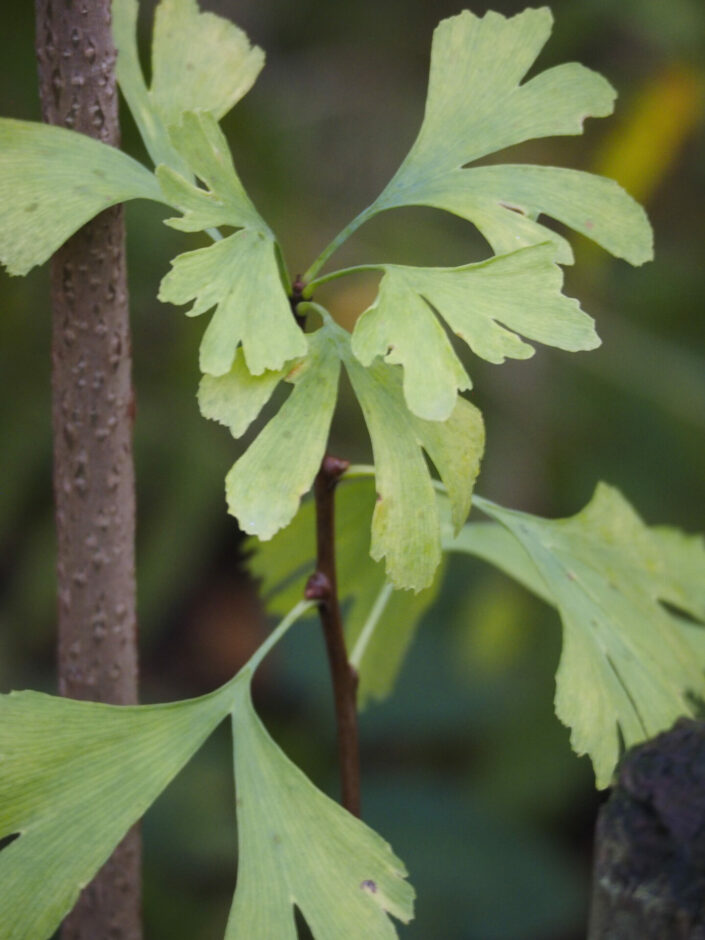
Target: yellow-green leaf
{"type": "Point", "coordinates": [53, 181]}
{"type": "Point", "coordinates": [298, 847]}
{"type": "Point", "coordinates": [74, 776]}
{"type": "Point", "coordinates": [199, 62]}
{"type": "Point", "coordinates": [478, 105]}
{"type": "Point", "coordinates": [627, 669]}
{"type": "Point", "coordinates": [266, 484]}
{"type": "Point", "coordinates": [204, 148]}
{"type": "Point", "coordinates": [406, 524]}
{"type": "Point", "coordinates": [238, 275]}
{"type": "Point", "coordinates": [486, 304]}
{"type": "Point", "coordinates": [380, 623]}
{"type": "Point", "coordinates": [236, 398]}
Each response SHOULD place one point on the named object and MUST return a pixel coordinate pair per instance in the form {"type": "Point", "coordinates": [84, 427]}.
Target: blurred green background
{"type": "Point", "coordinates": [466, 770]}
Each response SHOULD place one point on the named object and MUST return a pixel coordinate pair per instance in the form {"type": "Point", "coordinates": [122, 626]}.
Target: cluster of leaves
{"type": "Point", "coordinates": [630, 598]}
{"type": "Point", "coordinates": [401, 362]}
{"type": "Point", "coordinates": [75, 776]}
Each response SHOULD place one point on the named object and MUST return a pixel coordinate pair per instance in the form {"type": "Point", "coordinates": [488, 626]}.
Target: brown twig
{"type": "Point", "coordinates": [323, 587]}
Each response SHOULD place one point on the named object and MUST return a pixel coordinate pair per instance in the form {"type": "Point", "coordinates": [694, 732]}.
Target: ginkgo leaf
{"type": "Point", "coordinates": [236, 398]}
{"type": "Point", "coordinates": [684, 564]}
{"type": "Point", "coordinates": [266, 484]}
{"type": "Point", "coordinates": [683, 557]}
{"type": "Point", "coordinates": [53, 181]}
{"type": "Point", "coordinates": [486, 304]}
{"type": "Point", "coordinates": [455, 447]}
{"type": "Point", "coordinates": [238, 275]}
{"type": "Point", "coordinates": [380, 623]}
{"type": "Point", "coordinates": [406, 524]}
{"type": "Point", "coordinates": [74, 776]}
{"type": "Point", "coordinates": [202, 144]}
{"type": "Point", "coordinates": [496, 545]}
{"type": "Point", "coordinates": [402, 329]}
{"type": "Point", "coordinates": [298, 847]}
{"type": "Point", "coordinates": [199, 62]}
{"type": "Point", "coordinates": [626, 671]}
{"type": "Point", "coordinates": [476, 106]}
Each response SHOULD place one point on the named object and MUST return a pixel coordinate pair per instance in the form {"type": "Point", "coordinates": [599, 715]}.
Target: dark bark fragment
{"type": "Point", "coordinates": [93, 410]}
{"type": "Point", "coordinates": [649, 877]}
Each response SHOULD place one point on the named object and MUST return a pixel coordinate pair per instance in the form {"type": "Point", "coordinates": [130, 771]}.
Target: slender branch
{"type": "Point", "coordinates": [323, 588]}
{"type": "Point", "coordinates": [93, 411]}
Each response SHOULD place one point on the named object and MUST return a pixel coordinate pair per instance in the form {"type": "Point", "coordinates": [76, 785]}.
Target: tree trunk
{"type": "Point", "coordinates": [93, 409]}
{"type": "Point", "coordinates": [649, 879]}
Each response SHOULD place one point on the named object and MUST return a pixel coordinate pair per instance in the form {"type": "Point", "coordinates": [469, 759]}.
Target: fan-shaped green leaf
{"type": "Point", "coordinates": [406, 524]}
{"type": "Point", "coordinates": [203, 146]}
{"type": "Point", "coordinates": [380, 623]}
{"type": "Point", "coordinates": [627, 670]}
{"type": "Point", "coordinates": [683, 555]}
{"type": "Point", "coordinates": [74, 776]}
{"type": "Point", "coordinates": [199, 62]}
{"type": "Point", "coordinates": [684, 568]}
{"type": "Point", "coordinates": [236, 398]}
{"type": "Point", "coordinates": [132, 84]}
{"type": "Point", "coordinates": [239, 275]}
{"type": "Point", "coordinates": [402, 329]}
{"type": "Point", "coordinates": [496, 545]}
{"type": "Point", "coordinates": [296, 846]}
{"type": "Point", "coordinates": [477, 106]}
{"type": "Point", "coordinates": [455, 447]}
{"type": "Point", "coordinates": [483, 303]}
{"type": "Point", "coordinates": [265, 485]}
{"type": "Point", "coordinates": [53, 181]}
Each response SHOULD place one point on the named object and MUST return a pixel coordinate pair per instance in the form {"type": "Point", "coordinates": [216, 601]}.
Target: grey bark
{"type": "Point", "coordinates": [649, 873]}
{"type": "Point", "coordinates": [93, 410]}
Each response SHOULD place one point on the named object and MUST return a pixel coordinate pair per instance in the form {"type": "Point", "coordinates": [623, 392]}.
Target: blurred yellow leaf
{"type": "Point", "coordinates": [642, 150]}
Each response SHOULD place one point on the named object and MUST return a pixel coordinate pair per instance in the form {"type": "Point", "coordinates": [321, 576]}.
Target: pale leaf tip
{"type": "Point", "coordinates": [17, 268]}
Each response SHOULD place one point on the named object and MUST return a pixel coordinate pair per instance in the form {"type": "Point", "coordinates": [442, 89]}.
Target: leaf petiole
{"type": "Point", "coordinates": [358, 470]}
{"type": "Point", "coordinates": [339, 239]}
{"type": "Point", "coordinates": [294, 614]}
{"type": "Point", "coordinates": [368, 629]}
{"type": "Point", "coordinates": [334, 275]}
